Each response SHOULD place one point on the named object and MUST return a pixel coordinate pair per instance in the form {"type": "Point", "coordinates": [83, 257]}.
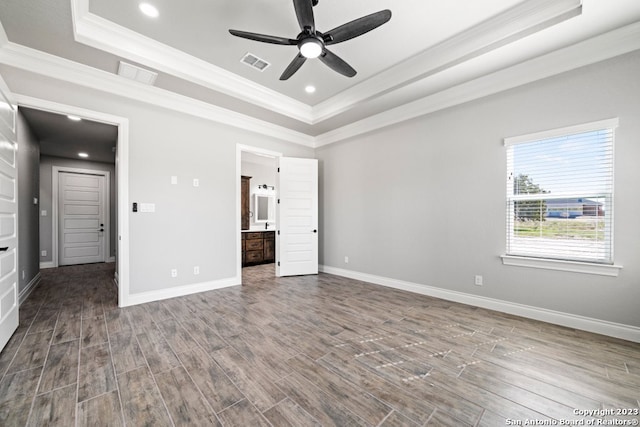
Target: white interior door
{"type": "Point", "coordinates": [297, 217]}
{"type": "Point", "coordinates": [81, 218]}
{"type": "Point", "coordinates": [8, 218]}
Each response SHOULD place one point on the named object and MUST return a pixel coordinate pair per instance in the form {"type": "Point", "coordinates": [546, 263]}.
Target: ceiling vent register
{"type": "Point", "coordinates": [138, 74]}
{"type": "Point", "coordinates": [255, 62]}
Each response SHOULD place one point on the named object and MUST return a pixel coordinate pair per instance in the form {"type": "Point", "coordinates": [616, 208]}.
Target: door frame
{"type": "Point", "coordinates": [122, 180]}
{"type": "Point", "coordinates": [55, 208]}
{"type": "Point", "coordinates": [241, 148]}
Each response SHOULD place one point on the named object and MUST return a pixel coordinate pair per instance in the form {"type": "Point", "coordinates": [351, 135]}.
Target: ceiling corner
{"type": "Point", "coordinates": [97, 32]}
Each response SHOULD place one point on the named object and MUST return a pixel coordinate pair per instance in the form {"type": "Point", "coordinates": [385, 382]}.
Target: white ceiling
{"type": "Point", "coordinates": [200, 28]}
{"type": "Point", "coordinates": [430, 55]}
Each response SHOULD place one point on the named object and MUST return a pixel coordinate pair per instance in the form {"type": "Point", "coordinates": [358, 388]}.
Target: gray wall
{"type": "Point", "coordinates": [46, 191]}
{"type": "Point", "coordinates": [424, 201]}
{"type": "Point", "coordinates": [191, 226]}
{"type": "Point", "coordinates": [28, 184]}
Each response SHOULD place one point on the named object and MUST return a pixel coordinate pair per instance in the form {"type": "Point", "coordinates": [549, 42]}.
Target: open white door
{"type": "Point", "coordinates": [297, 217]}
{"type": "Point", "coordinates": [8, 218]}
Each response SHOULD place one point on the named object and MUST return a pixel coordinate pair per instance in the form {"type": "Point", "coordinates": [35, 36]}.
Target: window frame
{"type": "Point", "coordinates": [588, 267]}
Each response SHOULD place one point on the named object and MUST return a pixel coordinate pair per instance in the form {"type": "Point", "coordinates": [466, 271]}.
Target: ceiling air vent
{"type": "Point", "coordinates": [136, 73]}
{"type": "Point", "coordinates": [254, 62]}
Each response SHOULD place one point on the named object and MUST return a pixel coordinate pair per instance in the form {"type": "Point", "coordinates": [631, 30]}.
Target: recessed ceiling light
{"type": "Point", "coordinates": [149, 10]}
{"type": "Point", "coordinates": [74, 118]}
{"type": "Point", "coordinates": [83, 155]}
{"type": "Point", "coordinates": [310, 89]}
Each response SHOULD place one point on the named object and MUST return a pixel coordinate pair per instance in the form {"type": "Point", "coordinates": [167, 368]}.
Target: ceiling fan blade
{"type": "Point", "coordinates": [293, 67]}
{"type": "Point", "coordinates": [304, 13]}
{"type": "Point", "coordinates": [264, 38]}
{"type": "Point", "coordinates": [336, 63]}
{"type": "Point", "coordinates": [357, 27]}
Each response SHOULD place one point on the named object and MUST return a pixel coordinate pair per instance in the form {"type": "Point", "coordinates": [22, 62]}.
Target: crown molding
{"type": "Point", "coordinates": [105, 35]}
{"type": "Point", "coordinates": [42, 63]}
{"type": "Point", "coordinates": [507, 27]}
{"type": "Point", "coordinates": [609, 45]}
{"type": "Point", "coordinates": [617, 42]}
{"type": "Point", "coordinates": [511, 25]}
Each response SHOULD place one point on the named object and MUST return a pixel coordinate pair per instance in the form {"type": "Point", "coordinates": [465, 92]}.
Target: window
{"type": "Point", "coordinates": [560, 194]}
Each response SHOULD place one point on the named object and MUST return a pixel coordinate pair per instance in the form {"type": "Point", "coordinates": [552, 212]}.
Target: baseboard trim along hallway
{"type": "Point", "coordinates": [24, 294]}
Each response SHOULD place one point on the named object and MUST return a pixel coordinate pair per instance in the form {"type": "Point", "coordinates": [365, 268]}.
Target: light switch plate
{"type": "Point", "coordinates": [196, 182]}
{"type": "Point", "coordinates": [174, 180]}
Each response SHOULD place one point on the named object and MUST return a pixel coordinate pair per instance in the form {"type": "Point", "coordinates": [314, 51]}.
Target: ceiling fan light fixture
{"type": "Point", "coordinates": [311, 48]}
{"type": "Point", "coordinates": [311, 43]}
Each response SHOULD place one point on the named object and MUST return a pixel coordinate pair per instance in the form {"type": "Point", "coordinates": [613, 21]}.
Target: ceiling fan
{"type": "Point", "coordinates": [313, 44]}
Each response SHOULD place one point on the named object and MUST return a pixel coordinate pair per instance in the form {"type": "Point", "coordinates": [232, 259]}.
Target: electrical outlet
{"type": "Point", "coordinates": [22, 274]}
{"type": "Point", "coordinates": [44, 253]}
{"type": "Point", "coordinates": [478, 280]}
{"type": "Point", "coordinates": [346, 260]}
{"type": "Point", "coordinates": [196, 270]}
{"type": "Point", "coordinates": [174, 272]}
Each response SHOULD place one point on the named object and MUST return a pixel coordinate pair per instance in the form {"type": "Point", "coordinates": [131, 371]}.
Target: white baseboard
{"type": "Point", "coordinates": [144, 297]}
{"type": "Point", "coordinates": [616, 330]}
{"type": "Point", "coordinates": [50, 264]}
{"type": "Point", "coordinates": [24, 294]}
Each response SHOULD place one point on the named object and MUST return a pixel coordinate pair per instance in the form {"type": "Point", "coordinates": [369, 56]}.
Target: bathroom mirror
{"type": "Point", "coordinates": [265, 209]}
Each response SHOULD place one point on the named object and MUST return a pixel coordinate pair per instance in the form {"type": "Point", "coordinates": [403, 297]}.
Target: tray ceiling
{"type": "Point", "coordinates": [428, 50]}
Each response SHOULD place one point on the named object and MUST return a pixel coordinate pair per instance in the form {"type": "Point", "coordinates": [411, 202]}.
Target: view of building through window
{"type": "Point", "coordinates": [560, 195]}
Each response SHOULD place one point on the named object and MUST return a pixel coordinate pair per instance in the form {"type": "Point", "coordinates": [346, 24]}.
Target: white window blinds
{"type": "Point", "coordinates": [560, 193]}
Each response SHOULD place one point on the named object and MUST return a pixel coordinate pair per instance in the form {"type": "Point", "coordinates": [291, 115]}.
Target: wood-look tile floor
{"type": "Point", "coordinates": [317, 350]}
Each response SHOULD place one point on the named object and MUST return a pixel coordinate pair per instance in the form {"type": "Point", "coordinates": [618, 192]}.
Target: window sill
{"type": "Point", "coordinates": [554, 264]}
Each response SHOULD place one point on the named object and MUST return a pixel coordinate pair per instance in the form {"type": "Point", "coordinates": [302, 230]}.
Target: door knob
{"type": "Point", "coordinates": [315, 231]}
